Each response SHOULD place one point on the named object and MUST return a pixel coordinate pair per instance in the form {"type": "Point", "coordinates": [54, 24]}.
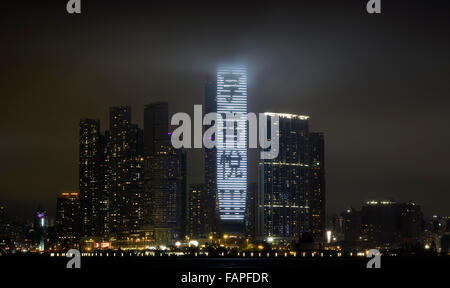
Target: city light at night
{"type": "Point", "coordinates": [225, 143]}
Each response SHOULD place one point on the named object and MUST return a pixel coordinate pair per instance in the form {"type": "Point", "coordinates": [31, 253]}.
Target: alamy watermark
{"type": "Point", "coordinates": [375, 262]}
{"type": "Point", "coordinates": [227, 131]}
{"type": "Point", "coordinates": [373, 6]}
{"type": "Point", "coordinates": [75, 259]}
{"type": "Point", "coordinates": [73, 6]}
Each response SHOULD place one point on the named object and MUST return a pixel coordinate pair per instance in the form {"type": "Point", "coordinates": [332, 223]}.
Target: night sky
{"type": "Point", "coordinates": [378, 86]}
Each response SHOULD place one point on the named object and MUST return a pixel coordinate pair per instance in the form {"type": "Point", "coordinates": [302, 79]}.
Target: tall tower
{"type": "Point", "coordinates": [165, 177]}
{"type": "Point", "coordinates": [282, 199]}
{"type": "Point", "coordinates": [231, 155]}
{"type": "Point", "coordinates": [156, 125]}
{"type": "Point", "coordinates": [40, 228]}
{"type": "Point", "coordinates": [91, 159]}
{"type": "Point", "coordinates": [135, 176]}
{"type": "Point", "coordinates": [124, 165]}
{"type": "Point", "coordinates": [212, 205]}
{"type": "Point", "coordinates": [317, 197]}
{"type": "Point", "coordinates": [196, 210]}
{"type": "Point", "coordinates": [250, 217]}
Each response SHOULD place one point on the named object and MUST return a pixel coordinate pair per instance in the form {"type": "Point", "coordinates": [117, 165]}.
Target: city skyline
{"type": "Point", "coordinates": [103, 129]}
{"type": "Point", "coordinates": [351, 73]}
{"type": "Point", "coordinates": [133, 196]}
{"type": "Point", "coordinates": [133, 183]}
{"type": "Point", "coordinates": [217, 143]}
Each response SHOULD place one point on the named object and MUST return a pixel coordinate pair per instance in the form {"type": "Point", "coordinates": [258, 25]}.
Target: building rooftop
{"type": "Point", "coordinates": [287, 115]}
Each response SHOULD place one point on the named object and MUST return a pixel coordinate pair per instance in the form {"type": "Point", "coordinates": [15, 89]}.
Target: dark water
{"type": "Point", "coordinates": [186, 263]}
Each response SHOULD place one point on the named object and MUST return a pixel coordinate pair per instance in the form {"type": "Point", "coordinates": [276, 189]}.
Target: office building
{"type": "Point", "coordinates": [317, 196]}
{"type": "Point", "coordinates": [124, 172]}
{"type": "Point", "coordinates": [91, 176]}
{"type": "Point", "coordinates": [231, 144]}
{"type": "Point", "coordinates": [211, 196]}
{"type": "Point", "coordinates": [165, 178]}
{"type": "Point", "coordinates": [250, 212]}
{"type": "Point", "coordinates": [384, 223]}
{"type": "Point", "coordinates": [284, 182]}
{"type": "Point", "coordinates": [68, 216]}
{"type": "Point", "coordinates": [196, 222]}
{"type": "Point", "coordinates": [156, 125]}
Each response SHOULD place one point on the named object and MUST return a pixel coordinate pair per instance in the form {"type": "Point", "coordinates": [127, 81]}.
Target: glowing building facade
{"type": "Point", "coordinates": [124, 172]}
{"type": "Point", "coordinates": [284, 182]}
{"type": "Point", "coordinates": [231, 155]}
{"type": "Point", "coordinates": [93, 202]}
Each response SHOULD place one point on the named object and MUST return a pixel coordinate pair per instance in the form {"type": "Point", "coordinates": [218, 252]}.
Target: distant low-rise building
{"type": "Point", "coordinates": [68, 217]}
{"type": "Point", "coordinates": [383, 224]}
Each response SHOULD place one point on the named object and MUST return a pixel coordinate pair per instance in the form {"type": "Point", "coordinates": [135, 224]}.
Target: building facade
{"type": "Point", "coordinates": [386, 224]}
{"type": "Point", "coordinates": [156, 125]}
{"type": "Point", "coordinates": [165, 177]}
{"type": "Point", "coordinates": [211, 196]}
{"type": "Point", "coordinates": [318, 191]}
{"type": "Point", "coordinates": [251, 208]}
{"type": "Point", "coordinates": [67, 217]}
{"type": "Point", "coordinates": [91, 175]}
{"type": "Point", "coordinates": [196, 222]}
{"type": "Point", "coordinates": [231, 143]}
{"type": "Point", "coordinates": [284, 182]}
{"type": "Point", "coordinates": [124, 172]}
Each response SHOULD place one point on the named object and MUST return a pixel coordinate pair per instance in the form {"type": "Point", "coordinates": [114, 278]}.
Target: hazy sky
{"type": "Point", "coordinates": [378, 86]}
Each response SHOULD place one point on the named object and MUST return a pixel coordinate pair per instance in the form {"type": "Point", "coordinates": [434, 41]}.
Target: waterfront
{"type": "Point", "coordinates": [204, 263]}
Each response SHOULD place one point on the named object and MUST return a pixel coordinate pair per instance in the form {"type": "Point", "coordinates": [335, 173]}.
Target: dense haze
{"type": "Point", "coordinates": [376, 85]}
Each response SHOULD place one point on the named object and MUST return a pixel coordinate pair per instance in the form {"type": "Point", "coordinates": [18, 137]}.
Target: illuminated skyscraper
{"type": "Point", "coordinates": [231, 155]}
{"type": "Point", "coordinates": [317, 202]}
{"type": "Point", "coordinates": [165, 187]}
{"type": "Point", "coordinates": [212, 207]}
{"type": "Point", "coordinates": [124, 171]}
{"type": "Point", "coordinates": [41, 220]}
{"type": "Point", "coordinates": [284, 182]}
{"type": "Point", "coordinates": [196, 210]}
{"type": "Point", "coordinates": [91, 173]}
{"type": "Point", "coordinates": [40, 228]}
{"type": "Point", "coordinates": [135, 176]}
{"type": "Point", "coordinates": [290, 202]}
{"type": "Point", "coordinates": [165, 177]}
{"type": "Point", "coordinates": [250, 216]}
